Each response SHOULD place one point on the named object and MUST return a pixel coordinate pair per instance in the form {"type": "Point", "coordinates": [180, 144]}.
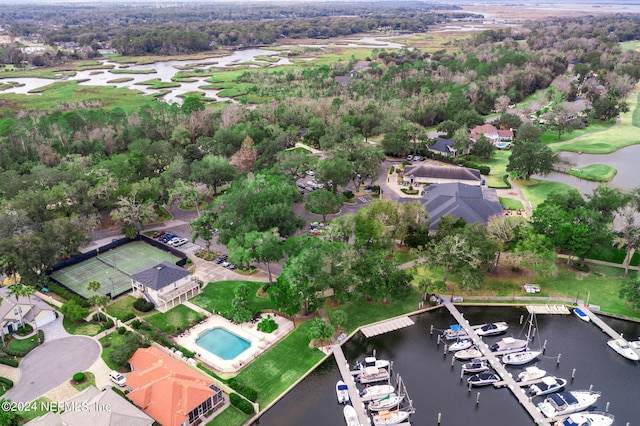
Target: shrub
{"type": "Point", "coordinates": [59, 290]}
{"type": "Point", "coordinates": [102, 317]}
{"type": "Point", "coordinates": [348, 194]}
{"type": "Point", "coordinates": [121, 330]}
{"type": "Point", "coordinates": [143, 305]}
{"type": "Point", "coordinates": [267, 325]}
{"type": "Point", "coordinates": [78, 377]}
{"type": "Point", "coordinates": [7, 382]}
{"type": "Point", "coordinates": [248, 392]}
{"type": "Point", "coordinates": [107, 325]}
{"type": "Point", "coordinates": [128, 316]}
{"type": "Point", "coordinates": [136, 324]}
{"type": "Point", "coordinates": [392, 169]}
{"type": "Point", "coordinates": [120, 355]}
{"type": "Point", "coordinates": [241, 403]}
{"type": "Point", "coordinates": [11, 362]}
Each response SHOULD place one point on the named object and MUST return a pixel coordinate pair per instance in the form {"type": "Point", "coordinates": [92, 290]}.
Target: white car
{"type": "Point", "coordinates": [180, 242]}
{"type": "Point", "coordinates": [173, 241]}
{"type": "Point", "coordinates": [117, 378]}
{"type": "Point", "coordinates": [310, 173]}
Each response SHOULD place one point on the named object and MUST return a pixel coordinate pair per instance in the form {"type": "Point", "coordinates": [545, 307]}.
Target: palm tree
{"type": "Point", "coordinates": [94, 300]}
{"type": "Point", "coordinates": [2, 330]}
{"type": "Point", "coordinates": [628, 239]}
{"type": "Point", "coordinates": [16, 290]}
{"type": "Point", "coordinates": [29, 290]}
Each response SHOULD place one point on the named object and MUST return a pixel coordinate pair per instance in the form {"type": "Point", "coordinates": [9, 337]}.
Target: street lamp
{"type": "Point", "coordinates": [113, 289]}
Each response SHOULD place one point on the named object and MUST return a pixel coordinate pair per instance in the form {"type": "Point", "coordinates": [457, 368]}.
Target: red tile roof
{"type": "Point", "coordinates": [164, 388]}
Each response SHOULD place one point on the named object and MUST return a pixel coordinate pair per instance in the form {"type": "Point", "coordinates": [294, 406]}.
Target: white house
{"type": "Point", "coordinates": [165, 284]}
{"type": "Point", "coordinates": [14, 313]}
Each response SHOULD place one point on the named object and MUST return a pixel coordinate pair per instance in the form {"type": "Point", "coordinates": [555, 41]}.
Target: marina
{"type": "Point", "coordinates": [386, 326]}
{"type": "Point", "coordinates": [606, 328]}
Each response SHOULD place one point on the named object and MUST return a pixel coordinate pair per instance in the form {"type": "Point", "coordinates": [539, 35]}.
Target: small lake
{"type": "Point", "coordinates": [435, 386]}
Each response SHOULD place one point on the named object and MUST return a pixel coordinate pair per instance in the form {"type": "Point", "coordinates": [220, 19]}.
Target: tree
{"type": "Point", "coordinates": [508, 121]}
{"type": "Point", "coordinates": [186, 192]}
{"type": "Point", "coordinates": [449, 127]}
{"type": "Point", "coordinates": [503, 230]}
{"type": "Point", "coordinates": [9, 417]}
{"type": "Point", "coordinates": [529, 155]}
{"type": "Point", "coordinates": [320, 330]}
{"type": "Point", "coordinates": [454, 255]}
{"type": "Point", "coordinates": [294, 163]}
{"type": "Point", "coordinates": [95, 286]}
{"type": "Point", "coordinates": [334, 172]}
{"type": "Point", "coordinates": [563, 121]}
{"type": "Point", "coordinates": [323, 202]}
{"type": "Point", "coordinates": [461, 140]}
{"type": "Point", "coordinates": [630, 290]}
{"type": "Point", "coordinates": [204, 227]}
{"type": "Point", "coordinates": [240, 304]}
{"type": "Point", "coordinates": [213, 171]}
{"type": "Point", "coordinates": [628, 238]}
{"type": "Point", "coordinates": [133, 212]}
{"type": "Point", "coordinates": [2, 328]}
{"type": "Point", "coordinates": [608, 107]}
{"type": "Point", "coordinates": [245, 159]}
{"type": "Point", "coordinates": [190, 104]}
{"type": "Point", "coordinates": [535, 252]}
{"type": "Point", "coordinates": [483, 147]}
{"type": "Point", "coordinates": [17, 290]}
{"type": "Point", "coordinates": [29, 290]}
{"type": "Point", "coordinates": [264, 247]}
{"type": "Point", "coordinates": [74, 311]}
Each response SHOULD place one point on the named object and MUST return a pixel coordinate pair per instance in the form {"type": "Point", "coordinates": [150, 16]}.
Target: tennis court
{"type": "Point", "coordinates": [112, 269]}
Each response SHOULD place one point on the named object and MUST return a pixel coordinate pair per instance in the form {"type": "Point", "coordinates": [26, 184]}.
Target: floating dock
{"type": "Point", "coordinates": [603, 326]}
{"type": "Point", "coordinates": [354, 394]}
{"type": "Point", "coordinates": [548, 309]}
{"type": "Point", "coordinates": [386, 326]}
{"type": "Point", "coordinates": [507, 379]}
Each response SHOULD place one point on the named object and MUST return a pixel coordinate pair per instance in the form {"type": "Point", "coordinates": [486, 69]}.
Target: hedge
{"type": "Point", "coordinates": [59, 290]}
{"type": "Point", "coordinates": [143, 305]}
{"type": "Point", "coordinates": [6, 381]}
{"type": "Point", "coordinates": [78, 377]}
{"type": "Point", "coordinates": [248, 392]}
{"type": "Point", "coordinates": [11, 362]}
{"type": "Point", "coordinates": [241, 404]}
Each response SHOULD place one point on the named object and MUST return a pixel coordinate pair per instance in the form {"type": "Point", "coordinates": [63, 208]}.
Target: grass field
{"type": "Point", "coordinates": [115, 340]}
{"type": "Point", "coordinates": [498, 164]}
{"type": "Point", "coordinates": [511, 203]}
{"type": "Point", "coordinates": [218, 296]}
{"type": "Point", "coordinates": [596, 172]}
{"type": "Point", "coordinates": [551, 136]}
{"type": "Point", "coordinates": [174, 320]}
{"type": "Point", "coordinates": [536, 191]}
{"type": "Point", "coordinates": [230, 416]}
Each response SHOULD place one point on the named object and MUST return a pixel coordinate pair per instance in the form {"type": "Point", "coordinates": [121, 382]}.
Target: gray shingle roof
{"type": "Point", "coordinates": [442, 145]}
{"type": "Point", "coordinates": [441, 172]}
{"type": "Point", "coordinates": [160, 275]}
{"type": "Point", "coordinates": [471, 203]}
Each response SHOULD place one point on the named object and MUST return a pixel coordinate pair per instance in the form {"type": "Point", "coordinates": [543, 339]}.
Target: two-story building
{"type": "Point", "coordinates": [165, 284]}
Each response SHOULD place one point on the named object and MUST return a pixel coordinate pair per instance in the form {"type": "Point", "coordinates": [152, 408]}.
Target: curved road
{"type": "Point", "coordinates": [52, 364]}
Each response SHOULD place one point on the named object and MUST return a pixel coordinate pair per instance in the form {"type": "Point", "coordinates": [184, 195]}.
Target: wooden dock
{"type": "Point", "coordinates": [354, 394]}
{"type": "Point", "coordinates": [603, 326]}
{"type": "Point", "coordinates": [386, 326]}
{"type": "Point", "coordinates": [548, 309]}
{"type": "Point", "coordinates": [507, 379]}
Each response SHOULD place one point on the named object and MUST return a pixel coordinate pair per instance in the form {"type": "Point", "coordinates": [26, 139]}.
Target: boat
{"type": "Point", "coordinates": [546, 386]}
{"type": "Point", "coordinates": [622, 347]}
{"type": "Point", "coordinates": [388, 402]}
{"type": "Point", "coordinates": [467, 354]}
{"type": "Point", "coordinates": [476, 366]}
{"type": "Point", "coordinates": [350, 416]}
{"type": "Point", "coordinates": [531, 373]}
{"type": "Point", "coordinates": [635, 344]}
{"type": "Point", "coordinates": [455, 331]}
{"type": "Point", "coordinates": [342, 392]}
{"type": "Point", "coordinates": [561, 403]}
{"type": "Point", "coordinates": [375, 392]}
{"type": "Point", "coordinates": [460, 345]}
{"type": "Point", "coordinates": [581, 314]}
{"type": "Point", "coordinates": [509, 344]}
{"type": "Point", "coordinates": [521, 358]}
{"type": "Point", "coordinates": [483, 379]}
{"type": "Point", "coordinates": [492, 329]}
{"type": "Point", "coordinates": [589, 418]}
{"type": "Point", "coordinates": [393, 417]}
{"type": "Point", "coordinates": [371, 361]}
{"type": "Point", "coordinates": [372, 375]}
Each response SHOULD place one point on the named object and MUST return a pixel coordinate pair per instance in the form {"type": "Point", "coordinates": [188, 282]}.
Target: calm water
{"type": "Point", "coordinates": [435, 386]}
{"type": "Point", "coordinates": [222, 343]}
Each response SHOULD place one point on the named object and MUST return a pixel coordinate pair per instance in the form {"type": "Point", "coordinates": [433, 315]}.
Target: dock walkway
{"type": "Point", "coordinates": [604, 326]}
{"type": "Point", "coordinates": [507, 379]}
{"type": "Point", "coordinates": [347, 377]}
{"type": "Point", "coordinates": [386, 326]}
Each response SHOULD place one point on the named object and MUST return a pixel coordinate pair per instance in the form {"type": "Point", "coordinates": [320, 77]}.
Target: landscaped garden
{"type": "Point", "coordinates": [175, 320]}
{"type": "Point", "coordinates": [218, 297]}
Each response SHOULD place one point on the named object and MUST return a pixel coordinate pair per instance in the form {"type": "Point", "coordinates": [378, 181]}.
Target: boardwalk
{"type": "Point", "coordinates": [354, 395]}
{"type": "Point", "coordinates": [507, 379]}
{"type": "Point", "coordinates": [603, 326]}
{"type": "Point", "coordinates": [386, 326]}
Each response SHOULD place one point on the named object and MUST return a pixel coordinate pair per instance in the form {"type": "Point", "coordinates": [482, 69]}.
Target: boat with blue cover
{"type": "Point", "coordinates": [581, 314]}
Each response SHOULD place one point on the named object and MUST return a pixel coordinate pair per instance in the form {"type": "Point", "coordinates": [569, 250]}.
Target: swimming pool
{"type": "Point", "coordinates": [223, 343]}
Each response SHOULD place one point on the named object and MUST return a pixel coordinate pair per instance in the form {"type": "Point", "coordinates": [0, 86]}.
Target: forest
{"type": "Point", "coordinates": [65, 170]}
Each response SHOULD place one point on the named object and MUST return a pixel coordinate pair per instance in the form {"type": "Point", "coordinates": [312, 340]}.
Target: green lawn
{"type": "Point", "coordinates": [84, 328]}
{"type": "Point", "coordinates": [629, 45]}
{"type": "Point", "coordinates": [597, 172]}
{"type": "Point", "coordinates": [536, 191]}
{"type": "Point", "coordinates": [23, 344]}
{"type": "Point", "coordinates": [123, 306]}
{"type": "Point", "coordinates": [174, 320]}
{"type": "Point", "coordinates": [498, 164]}
{"type": "Point", "coordinates": [116, 340]}
{"type": "Point", "coordinates": [278, 368]}
{"type": "Point", "coordinates": [551, 136]}
{"type": "Point", "coordinates": [230, 416]}
{"type": "Point", "coordinates": [91, 381]}
{"type": "Point", "coordinates": [218, 296]}
{"type": "Point", "coordinates": [511, 203]}
{"type": "Point", "coordinates": [38, 408]}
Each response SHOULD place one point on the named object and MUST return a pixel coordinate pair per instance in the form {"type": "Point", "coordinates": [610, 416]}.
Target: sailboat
{"type": "Point", "coordinates": [526, 355]}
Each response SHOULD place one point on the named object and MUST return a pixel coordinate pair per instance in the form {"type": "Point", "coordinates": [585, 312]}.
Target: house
{"type": "Point", "coordinates": [344, 80]}
{"type": "Point", "coordinates": [429, 173]}
{"type": "Point", "coordinates": [165, 284]}
{"type": "Point", "coordinates": [474, 204]}
{"type": "Point", "coordinates": [95, 408]}
{"type": "Point", "coordinates": [494, 134]}
{"type": "Point", "coordinates": [168, 390]}
{"type": "Point", "coordinates": [13, 314]}
{"type": "Point", "coordinates": [443, 147]}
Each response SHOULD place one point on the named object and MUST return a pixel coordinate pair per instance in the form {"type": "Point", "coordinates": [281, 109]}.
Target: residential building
{"type": "Point", "coordinates": [165, 284]}
{"type": "Point", "coordinates": [474, 204]}
{"type": "Point", "coordinates": [14, 313]}
{"type": "Point", "coordinates": [428, 173]}
{"type": "Point", "coordinates": [494, 134]}
{"type": "Point", "coordinates": [444, 147]}
{"type": "Point", "coordinates": [169, 391]}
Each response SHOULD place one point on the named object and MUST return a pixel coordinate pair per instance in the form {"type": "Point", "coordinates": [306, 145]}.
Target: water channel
{"type": "Point", "coordinates": [435, 386]}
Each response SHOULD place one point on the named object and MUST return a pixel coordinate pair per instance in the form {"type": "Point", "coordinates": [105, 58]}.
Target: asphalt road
{"type": "Point", "coordinates": [50, 365]}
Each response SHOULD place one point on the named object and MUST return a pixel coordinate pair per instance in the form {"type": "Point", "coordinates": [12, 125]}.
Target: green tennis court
{"type": "Point", "coordinates": [112, 269]}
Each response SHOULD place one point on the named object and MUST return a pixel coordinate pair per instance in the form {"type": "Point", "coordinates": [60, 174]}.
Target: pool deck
{"type": "Point", "coordinates": [260, 341]}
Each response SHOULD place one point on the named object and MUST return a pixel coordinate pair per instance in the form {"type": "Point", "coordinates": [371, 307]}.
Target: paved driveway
{"type": "Point", "coordinates": [52, 364]}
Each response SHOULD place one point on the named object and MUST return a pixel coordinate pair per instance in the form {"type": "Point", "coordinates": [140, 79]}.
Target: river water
{"type": "Point", "coordinates": [435, 386]}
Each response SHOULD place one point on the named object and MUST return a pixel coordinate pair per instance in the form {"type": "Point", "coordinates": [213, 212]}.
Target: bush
{"type": "Point", "coordinates": [61, 291]}
{"type": "Point", "coordinates": [7, 382]}
{"type": "Point", "coordinates": [108, 325]}
{"type": "Point", "coordinates": [128, 316]}
{"type": "Point", "coordinates": [248, 392]}
{"type": "Point", "coordinates": [102, 317]}
{"type": "Point", "coordinates": [136, 324]}
{"type": "Point", "coordinates": [267, 325]}
{"type": "Point", "coordinates": [348, 194]}
{"type": "Point", "coordinates": [392, 169]}
{"type": "Point", "coordinates": [143, 305]}
{"type": "Point", "coordinates": [241, 403]}
{"type": "Point", "coordinates": [11, 362]}
{"type": "Point", "coordinates": [78, 377]}
{"type": "Point", "coordinates": [121, 330]}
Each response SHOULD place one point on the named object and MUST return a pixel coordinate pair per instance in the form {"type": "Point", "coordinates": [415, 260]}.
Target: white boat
{"type": "Point", "coordinates": [372, 361]}
{"type": "Point", "coordinates": [372, 375]}
{"type": "Point", "coordinates": [531, 373]}
{"type": "Point", "coordinates": [589, 418]}
{"type": "Point", "coordinates": [581, 314]}
{"type": "Point", "coordinates": [460, 345]}
{"type": "Point", "coordinates": [342, 392]}
{"type": "Point", "coordinates": [483, 379]}
{"type": "Point", "coordinates": [476, 366]}
{"type": "Point", "coordinates": [390, 417]}
{"type": "Point", "coordinates": [375, 392]}
{"type": "Point", "coordinates": [467, 354]}
{"type": "Point", "coordinates": [455, 331]}
{"type": "Point", "coordinates": [547, 385]}
{"type": "Point", "coordinates": [351, 416]}
{"type": "Point", "coordinates": [521, 358]}
{"type": "Point", "coordinates": [492, 329]}
{"type": "Point", "coordinates": [509, 344]}
{"type": "Point", "coordinates": [388, 402]}
{"type": "Point", "coordinates": [561, 403]}
{"type": "Point", "coordinates": [622, 347]}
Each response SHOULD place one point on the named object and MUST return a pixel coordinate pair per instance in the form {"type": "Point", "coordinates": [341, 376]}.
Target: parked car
{"type": "Point", "coordinates": [158, 234]}
{"type": "Point", "coordinates": [173, 241]}
{"type": "Point", "coordinates": [221, 259]}
{"type": "Point", "coordinates": [409, 157]}
{"type": "Point", "coordinates": [231, 266]}
{"type": "Point", "coordinates": [226, 263]}
{"type": "Point", "coordinates": [168, 237]}
{"type": "Point", "coordinates": [117, 378]}
{"type": "Point", "coordinates": [180, 242]}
